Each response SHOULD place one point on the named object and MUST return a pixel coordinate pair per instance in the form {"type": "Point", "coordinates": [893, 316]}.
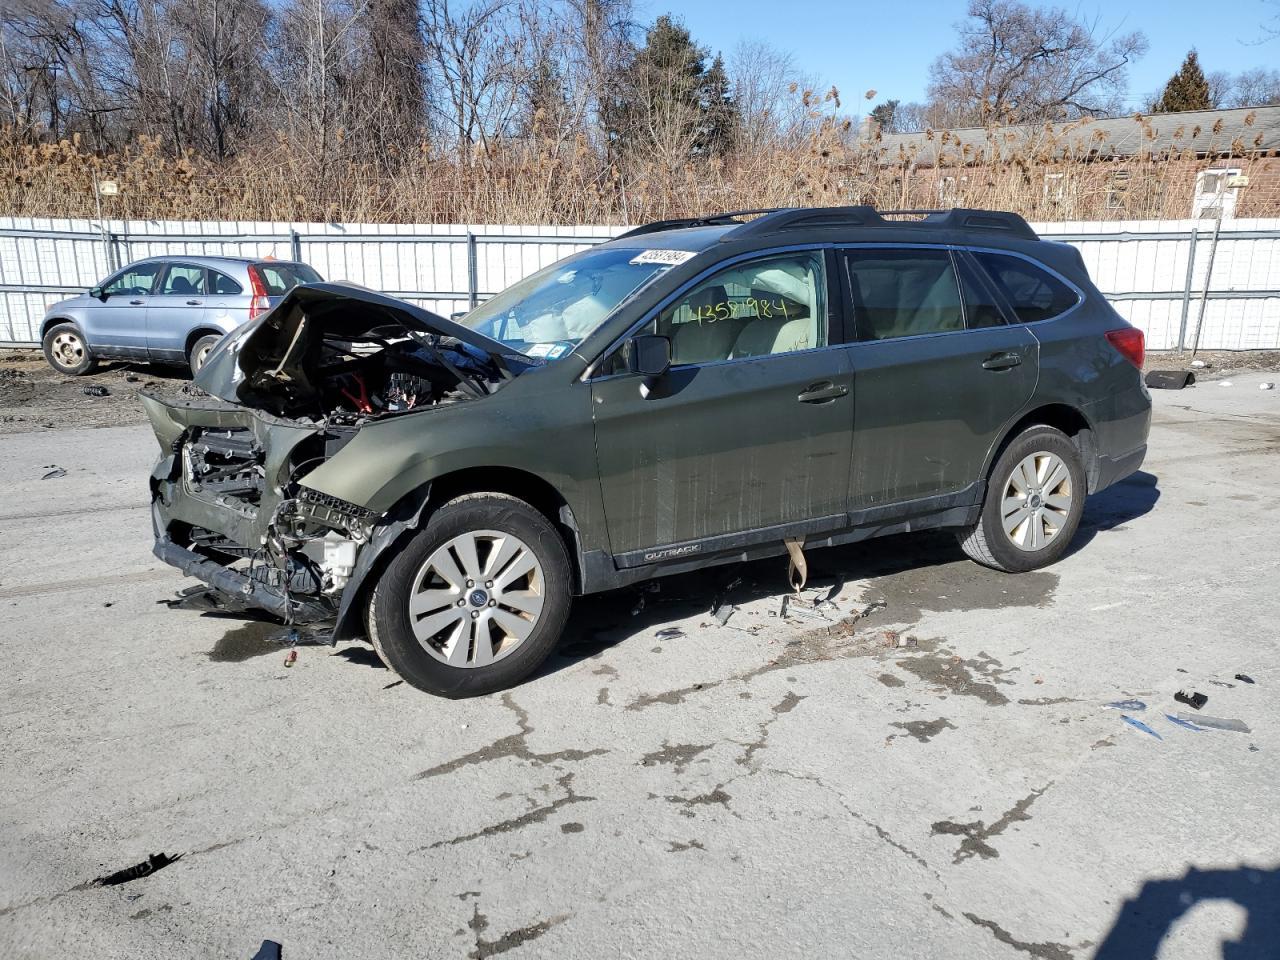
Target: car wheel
{"type": "Point", "coordinates": [1035, 497]}
{"type": "Point", "coordinates": [474, 602]}
{"type": "Point", "coordinates": [201, 349]}
{"type": "Point", "coordinates": [66, 350]}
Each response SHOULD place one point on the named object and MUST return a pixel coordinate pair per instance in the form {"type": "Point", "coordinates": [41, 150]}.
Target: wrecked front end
{"type": "Point", "coordinates": [230, 504]}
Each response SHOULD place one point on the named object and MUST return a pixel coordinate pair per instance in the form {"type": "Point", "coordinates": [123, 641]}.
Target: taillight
{"type": "Point", "coordinates": [259, 302]}
{"type": "Point", "coordinates": [1131, 344]}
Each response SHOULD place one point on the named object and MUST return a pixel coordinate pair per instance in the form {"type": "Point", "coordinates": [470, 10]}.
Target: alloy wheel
{"type": "Point", "coordinates": [1037, 501]}
{"type": "Point", "coordinates": [68, 349]}
{"type": "Point", "coordinates": [477, 598]}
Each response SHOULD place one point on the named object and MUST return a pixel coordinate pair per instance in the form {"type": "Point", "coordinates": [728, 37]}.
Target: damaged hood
{"type": "Point", "coordinates": [277, 340]}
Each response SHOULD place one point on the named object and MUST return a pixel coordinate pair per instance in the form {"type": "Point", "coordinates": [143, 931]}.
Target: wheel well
{"type": "Point", "coordinates": [53, 322]}
{"type": "Point", "coordinates": [1071, 422]}
{"type": "Point", "coordinates": [199, 332]}
{"type": "Point", "coordinates": [530, 488]}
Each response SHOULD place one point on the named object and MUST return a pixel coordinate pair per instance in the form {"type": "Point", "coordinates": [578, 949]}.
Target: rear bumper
{"type": "Point", "coordinates": [1114, 469]}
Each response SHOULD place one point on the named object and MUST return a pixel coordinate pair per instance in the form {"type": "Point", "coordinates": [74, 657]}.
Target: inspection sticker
{"type": "Point", "coordinates": [670, 258]}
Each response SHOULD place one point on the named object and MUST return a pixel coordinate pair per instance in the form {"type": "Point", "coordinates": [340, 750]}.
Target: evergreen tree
{"type": "Point", "coordinates": [1188, 89]}
{"type": "Point", "coordinates": [673, 97]}
{"type": "Point", "coordinates": [884, 116]}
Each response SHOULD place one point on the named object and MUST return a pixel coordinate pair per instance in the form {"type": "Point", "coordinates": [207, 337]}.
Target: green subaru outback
{"type": "Point", "coordinates": [694, 392]}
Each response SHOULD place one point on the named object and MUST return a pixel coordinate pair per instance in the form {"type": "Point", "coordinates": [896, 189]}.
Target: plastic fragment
{"type": "Point", "coordinates": [55, 473]}
{"type": "Point", "coordinates": [270, 950]}
{"type": "Point", "coordinates": [1266, 386]}
{"type": "Point", "coordinates": [1184, 723]}
{"type": "Point", "coordinates": [148, 866]}
{"type": "Point", "coordinates": [1198, 364]}
{"type": "Point", "coordinates": [724, 612]}
{"type": "Point", "coordinates": [1195, 700]}
{"type": "Point", "coordinates": [669, 632]}
{"type": "Point", "coordinates": [1139, 725]}
{"type": "Point", "coordinates": [1244, 678]}
{"type": "Point", "coordinates": [96, 390]}
{"type": "Point", "coordinates": [1127, 705]}
{"type": "Point", "coordinates": [1217, 723]}
{"type": "Point", "coordinates": [291, 659]}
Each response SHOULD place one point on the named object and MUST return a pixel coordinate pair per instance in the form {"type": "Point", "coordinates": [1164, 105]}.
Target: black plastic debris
{"type": "Point", "coordinates": [1170, 379]}
{"type": "Point", "coordinates": [96, 390]}
{"type": "Point", "coordinates": [55, 473]}
{"type": "Point", "coordinates": [669, 632]}
{"type": "Point", "coordinates": [1244, 678]}
{"type": "Point", "coordinates": [1196, 700]}
{"type": "Point", "coordinates": [270, 950]}
{"type": "Point", "coordinates": [157, 861]}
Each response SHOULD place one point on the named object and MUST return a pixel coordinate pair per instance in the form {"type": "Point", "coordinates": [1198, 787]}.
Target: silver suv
{"type": "Point", "coordinates": [165, 309]}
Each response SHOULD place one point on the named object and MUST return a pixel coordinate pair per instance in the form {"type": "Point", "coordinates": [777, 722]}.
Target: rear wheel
{"type": "Point", "coordinates": [66, 350]}
{"type": "Point", "coordinates": [476, 601]}
{"type": "Point", "coordinates": [201, 349]}
{"type": "Point", "coordinates": [1035, 497]}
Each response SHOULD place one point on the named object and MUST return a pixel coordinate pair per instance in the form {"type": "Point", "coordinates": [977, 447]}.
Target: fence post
{"type": "Point", "coordinates": [473, 290]}
{"type": "Point", "coordinates": [114, 262]}
{"type": "Point", "coordinates": [295, 245]}
{"type": "Point", "coordinates": [1208, 276]}
{"type": "Point", "coordinates": [1186, 290]}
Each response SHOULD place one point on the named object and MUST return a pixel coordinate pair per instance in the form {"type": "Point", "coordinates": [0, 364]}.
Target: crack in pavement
{"type": "Point", "coordinates": [716, 795]}
{"type": "Point", "coordinates": [882, 833]}
{"type": "Point", "coordinates": [1045, 951]}
{"type": "Point", "coordinates": [977, 833]}
{"type": "Point", "coordinates": [783, 706]}
{"type": "Point", "coordinates": [512, 745]}
{"type": "Point", "coordinates": [536, 815]}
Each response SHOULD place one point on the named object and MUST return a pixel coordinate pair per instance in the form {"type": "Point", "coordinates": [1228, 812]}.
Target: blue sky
{"type": "Point", "coordinates": [888, 47]}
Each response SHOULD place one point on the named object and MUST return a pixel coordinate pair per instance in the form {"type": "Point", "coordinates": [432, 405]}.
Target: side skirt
{"type": "Point", "coordinates": [602, 571]}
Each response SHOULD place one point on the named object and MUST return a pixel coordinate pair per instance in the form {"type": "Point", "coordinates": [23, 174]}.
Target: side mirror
{"type": "Point", "coordinates": [650, 355]}
{"type": "Point", "coordinates": [98, 293]}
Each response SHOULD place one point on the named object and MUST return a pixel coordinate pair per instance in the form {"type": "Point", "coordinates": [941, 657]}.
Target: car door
{"type": "Point", "coordinates": [938, 372]}
{"type": "Point", "coordinates": [746, 438]}
{"type": "Point", "coordinates": [116, 326]}
{"type": "Point", "coordinates": [177, 308]}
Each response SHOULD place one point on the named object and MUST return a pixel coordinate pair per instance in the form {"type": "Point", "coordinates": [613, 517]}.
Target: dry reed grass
{"type": "Point", "coordinates": [546, 183]}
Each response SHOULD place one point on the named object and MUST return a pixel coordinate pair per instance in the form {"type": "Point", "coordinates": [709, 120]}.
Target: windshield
{"type": "Point", "coordinates": [551, 312]}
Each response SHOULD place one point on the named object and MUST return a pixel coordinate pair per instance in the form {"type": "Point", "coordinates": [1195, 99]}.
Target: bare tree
{"type": "Point", "coordinates": [1016, 63]}
{"type": "Point", "coordinates": [1255, 88]}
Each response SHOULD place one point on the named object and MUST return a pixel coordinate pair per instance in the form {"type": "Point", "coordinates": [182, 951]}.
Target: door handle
{"type": "Point", "coordinates": [194, 303]}
{"type": "Point", "coordinates": [136, 303]}
{"type": "Point", "coordinates": [822, 392]}
{"type": "Point", "coordinates": [1001, 361]}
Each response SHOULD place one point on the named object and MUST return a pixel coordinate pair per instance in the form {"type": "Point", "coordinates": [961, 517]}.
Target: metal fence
{"type": "Point", "coordinates": [1190, 282]}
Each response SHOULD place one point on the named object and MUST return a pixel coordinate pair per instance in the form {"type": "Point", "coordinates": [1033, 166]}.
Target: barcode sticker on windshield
{"type": "Point", "coordinates": [670, 258]}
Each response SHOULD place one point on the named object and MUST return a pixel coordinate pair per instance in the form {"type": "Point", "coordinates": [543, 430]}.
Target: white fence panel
{"type": "Point", "coordinates": [1159, 275]}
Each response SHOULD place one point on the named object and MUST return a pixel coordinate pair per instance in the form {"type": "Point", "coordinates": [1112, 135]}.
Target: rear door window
{"type": "Point", "coordinates": [183, 280]}
{"type": "Point", "coordinates": [1033, 293]}
{"type": "Point", "coordinates": [981, 305]}
{"type": "Point", "coordinates": [903, 293]}
{"type": "Point", "coordinates": [280, 278]}
{"type": "Point", "coordinates": [224, 286]}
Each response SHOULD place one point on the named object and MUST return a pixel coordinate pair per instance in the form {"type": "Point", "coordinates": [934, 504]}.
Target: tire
{"type": "Point", "coordinates": [67, 350]}
{"type": "Point", "coordinates": [200, 351]}
{"type": "Point", "coordinates": [463, 637]}
{"type": "Point", "coordinates": [1038, 532]}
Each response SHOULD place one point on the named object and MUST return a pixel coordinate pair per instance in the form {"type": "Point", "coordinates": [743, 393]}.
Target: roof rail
{"type": "Point", "coordinates": [797, 218]}
{"type": "Point", "coordinates": [712, 219]}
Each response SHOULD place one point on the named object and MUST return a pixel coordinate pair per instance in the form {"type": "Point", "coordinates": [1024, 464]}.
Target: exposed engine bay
{"type": "Point", "coordinates": [276, 401]}
{"type": "Point", "coordinates": [346, 362]}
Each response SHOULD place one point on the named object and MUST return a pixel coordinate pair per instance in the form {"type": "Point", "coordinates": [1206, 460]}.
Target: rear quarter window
{"type": "Point", "coordinates": [1033, 293]}
{"type": "Point", "coordinates": [280, 278]}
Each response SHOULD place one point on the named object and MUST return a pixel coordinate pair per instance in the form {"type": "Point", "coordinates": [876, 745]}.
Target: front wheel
{"type": "Point", "coordinates": [474, 602]}
{"type": "Point", "coordinates": [1035, 497]}
{"type": "Point", "coordinates": [67, 351]}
